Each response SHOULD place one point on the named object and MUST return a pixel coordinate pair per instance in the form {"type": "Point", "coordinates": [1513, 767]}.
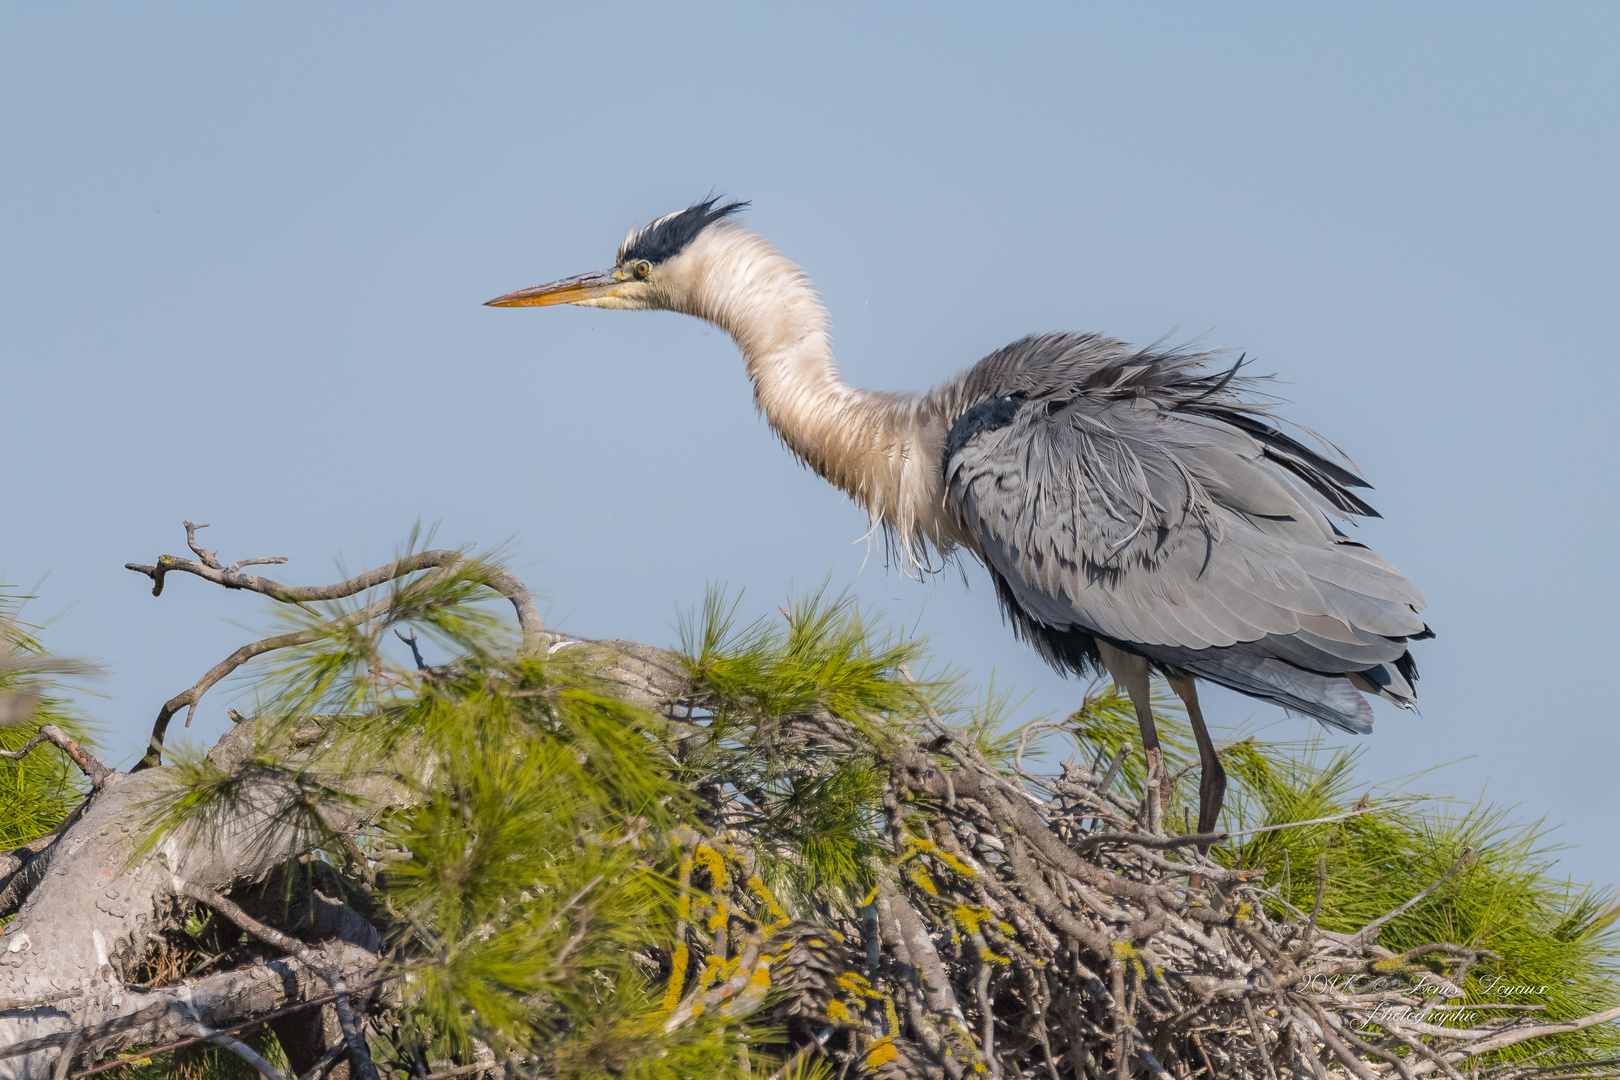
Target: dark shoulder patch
{"type": "Point", "coordinates": [988, 415]}
{"type": "Point", "coordinates": [666, 237]}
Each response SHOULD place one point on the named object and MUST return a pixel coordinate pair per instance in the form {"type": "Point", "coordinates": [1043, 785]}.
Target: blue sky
{"type": "Point", "coordinates": [243, 251]}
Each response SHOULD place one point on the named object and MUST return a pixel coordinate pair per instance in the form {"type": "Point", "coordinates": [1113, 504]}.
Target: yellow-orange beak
{"type": "Point", "coordinates": [567, 291]}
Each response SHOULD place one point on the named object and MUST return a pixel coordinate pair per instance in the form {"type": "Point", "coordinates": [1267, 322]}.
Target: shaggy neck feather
{"type": "Point", "coordinates": [874, 446]}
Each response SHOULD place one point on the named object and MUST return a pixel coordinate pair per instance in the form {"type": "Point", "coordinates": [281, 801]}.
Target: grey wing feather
{"type": "Point", "coordinates": [1124, 495]}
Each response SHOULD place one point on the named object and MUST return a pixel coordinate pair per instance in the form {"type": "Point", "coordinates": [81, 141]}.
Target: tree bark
{"type": "Point", "coordinates": [83, 928]}
{"type": "Point", "coordinates": [146, 1018]}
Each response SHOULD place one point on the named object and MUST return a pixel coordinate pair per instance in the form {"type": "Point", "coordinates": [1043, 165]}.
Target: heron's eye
{"type": "Point", "coordinates": [643, 268]}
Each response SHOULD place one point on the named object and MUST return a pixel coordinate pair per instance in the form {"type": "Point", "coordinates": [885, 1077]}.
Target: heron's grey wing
{"type": "Point", "coordinates": [1179, 534]}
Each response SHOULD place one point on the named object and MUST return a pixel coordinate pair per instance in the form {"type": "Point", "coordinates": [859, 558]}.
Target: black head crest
{"type": "Point", "coordinates": [669, 235]}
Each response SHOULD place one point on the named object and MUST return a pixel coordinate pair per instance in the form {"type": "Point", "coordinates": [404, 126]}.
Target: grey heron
{"type": "Point", "coordinates": [1136, 511]}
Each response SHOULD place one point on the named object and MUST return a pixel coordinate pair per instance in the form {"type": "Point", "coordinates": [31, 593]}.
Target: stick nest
{"type": "Point", "coordinates": [1050, 927]}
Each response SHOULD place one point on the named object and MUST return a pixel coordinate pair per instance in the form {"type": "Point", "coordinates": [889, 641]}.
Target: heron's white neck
{"type": "Point", "coordinates": [877, 447]}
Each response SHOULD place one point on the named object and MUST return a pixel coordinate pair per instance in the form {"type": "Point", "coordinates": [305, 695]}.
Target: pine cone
{"type": "Point", "coordinates": [809, 959]}
{"type": "Point", "coordinates": [895, 1058]}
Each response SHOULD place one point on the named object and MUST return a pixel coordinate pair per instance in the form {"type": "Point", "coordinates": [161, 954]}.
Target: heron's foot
{"type": "Point", "coordinates": [1156, 790]}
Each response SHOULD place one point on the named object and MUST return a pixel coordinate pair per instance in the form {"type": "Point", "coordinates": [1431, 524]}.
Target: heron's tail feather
{"type": "Point", "coordinates": [1392, 682]}
{"type": "Point", "coordinates": [1332, 699]}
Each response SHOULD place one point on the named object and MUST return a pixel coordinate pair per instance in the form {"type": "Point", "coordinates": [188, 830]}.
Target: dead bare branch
{"type": "Point", "coordinates": [208, 568]}
{"type": "Point", "coordinates": [86, 761]}
{"type": "Point", "coordinates": [189, 698]}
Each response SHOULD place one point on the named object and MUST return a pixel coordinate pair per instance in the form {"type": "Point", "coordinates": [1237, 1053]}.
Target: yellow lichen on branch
{"type": "Point", "coordinates": [773, 910]}
{"type": "Point", "coordinates": [677, 977]}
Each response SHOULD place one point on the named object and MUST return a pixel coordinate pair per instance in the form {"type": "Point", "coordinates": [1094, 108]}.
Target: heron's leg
{"type": "Point", "coordinates": [1132, 672]}
{"type": "Point", "coordinates": [1212, 783]}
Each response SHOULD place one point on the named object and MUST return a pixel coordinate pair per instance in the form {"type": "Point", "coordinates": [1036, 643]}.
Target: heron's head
{"type": "Point", "coordinates": [656, 268]}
